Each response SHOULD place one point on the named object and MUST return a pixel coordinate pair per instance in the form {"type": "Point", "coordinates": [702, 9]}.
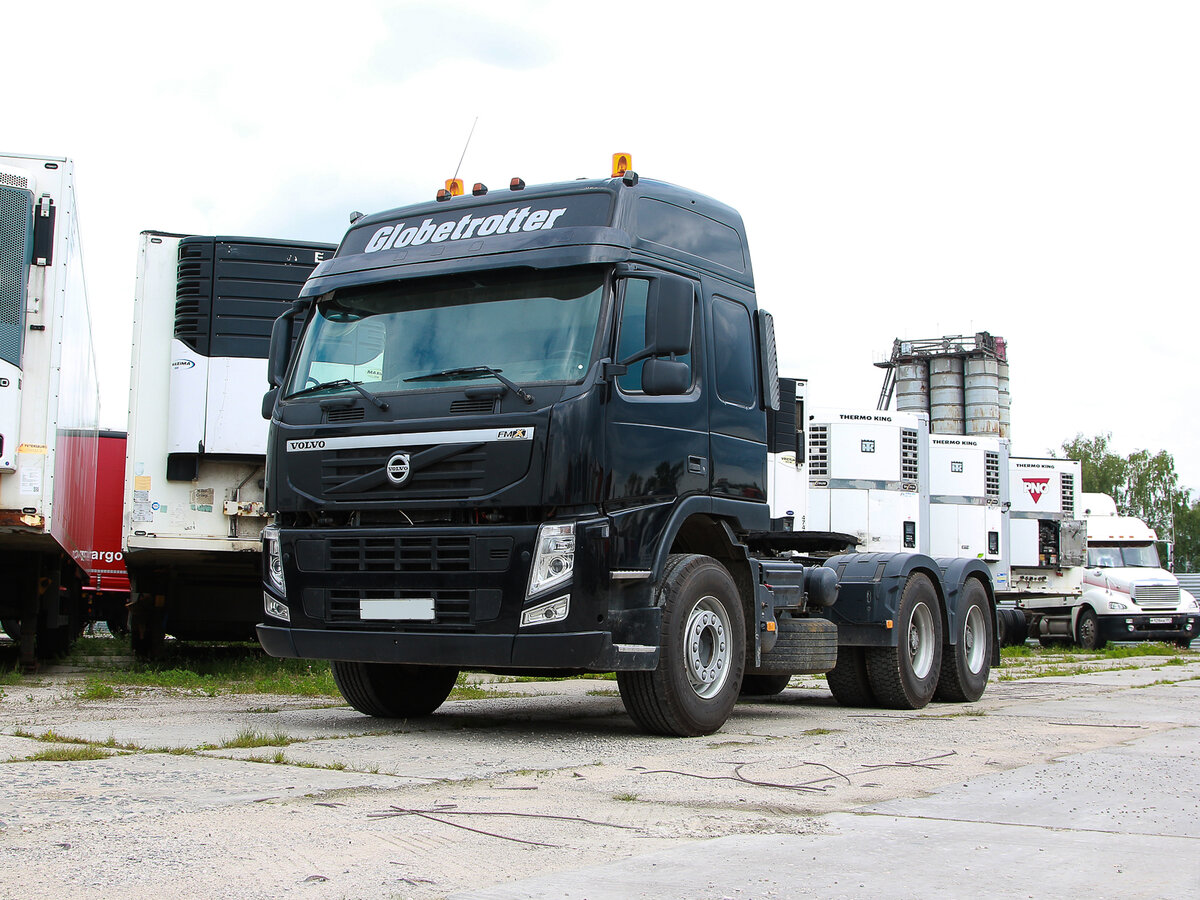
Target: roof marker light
{"type": "Point", "coordinates": [442, 195]}
{"type": "Point", "coordinates": [517, 184]}
{"type": "Point", "coordinates": [479, 190]}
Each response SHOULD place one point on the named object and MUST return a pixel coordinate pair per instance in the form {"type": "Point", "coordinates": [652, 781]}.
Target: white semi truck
{"type": "Point", "coordinates": [1122, 593]}
{"type": "Point", "coordinates": [49, 407]}
{"type": "Point", "coordinates": [193, 509]}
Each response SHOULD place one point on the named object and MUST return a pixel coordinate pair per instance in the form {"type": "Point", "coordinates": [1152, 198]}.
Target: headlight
{"type": "Point", "coordinates": [274, 558]}
{"type": "Point", "coordinates": [554, 560]}
{"type": "Point", "coordinates": [1114, 604]}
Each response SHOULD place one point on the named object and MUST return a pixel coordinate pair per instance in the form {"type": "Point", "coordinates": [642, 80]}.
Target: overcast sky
{"type": "Point", "coordinates": [904, 169]}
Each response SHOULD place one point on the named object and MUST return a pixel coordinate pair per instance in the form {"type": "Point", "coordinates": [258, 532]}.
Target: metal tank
{"type": "Point", "coordinates": [982, 393]}
{"type": "Point", "coordinates": [1005, 396]}
{"type": "Point", "coordinates": [946, 411]}
{"type": "Point", "coordinates": [912, 387]}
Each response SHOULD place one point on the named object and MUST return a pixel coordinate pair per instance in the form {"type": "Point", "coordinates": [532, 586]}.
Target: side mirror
{"type": "Point", "coordinates": [669, 307]}
{"type": "Point", "coordinates": [281, 344]}
{"type": "Point", "coordinates": [666, 377]}
{"type": "Point", "coordinates": [268, 402]}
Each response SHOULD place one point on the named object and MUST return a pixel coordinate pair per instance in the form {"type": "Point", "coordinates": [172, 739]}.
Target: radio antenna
{"type": "Point", "coordinates": [465, 146]}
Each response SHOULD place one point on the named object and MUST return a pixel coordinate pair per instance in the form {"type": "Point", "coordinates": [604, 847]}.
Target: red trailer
{"type": "Point", "coordinates": [107, 592]}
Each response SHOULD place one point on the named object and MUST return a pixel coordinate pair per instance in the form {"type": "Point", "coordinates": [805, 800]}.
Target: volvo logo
{"type": "Point", "coordinates": [398, 468]}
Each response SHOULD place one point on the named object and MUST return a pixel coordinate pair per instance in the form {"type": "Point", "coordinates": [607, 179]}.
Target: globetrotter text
{"type": "Point", "coordinates": [516, 219]}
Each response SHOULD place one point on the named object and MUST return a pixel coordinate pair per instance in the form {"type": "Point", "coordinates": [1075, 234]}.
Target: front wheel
{"type": "Point", "coordinates": [1087, 631]}
{"type": "Point", "coordinates": [967, 663]}
{"type": "Point", "coordinates": [703, 648]}
{"type": "Point", "coordinates": [393, 690]}
{"type": "Point", "coordinates": [905, 676]}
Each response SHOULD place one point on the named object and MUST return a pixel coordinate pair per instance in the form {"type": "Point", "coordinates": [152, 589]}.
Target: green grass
{"type": "Point", "coordinates": [470, 691]}
{"type": "Point", "coordinates": [214, 670]}
{"type": "Point", "coordinates": [248, 737]}
{"type": "Point", "coordinates": [73, 753]}
{"type": "Point", "coordinates": [1112, 651]}
{"type": "Point", "coordinates": [96, 689]}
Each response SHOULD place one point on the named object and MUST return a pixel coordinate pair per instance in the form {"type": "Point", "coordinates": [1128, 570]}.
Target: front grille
{"type": "Point", "coordinates": [404, 554]}
{"type": "Point", "coordinates": [452, 609]}
{"type": "Point", "coordinates": [360, 474]}
{"type": "Point", "coordinates": [1156, 596]}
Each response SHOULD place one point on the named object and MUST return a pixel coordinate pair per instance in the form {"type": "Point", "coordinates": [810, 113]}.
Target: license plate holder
{"type": "Point", "coordinates": [1160, 620]}
{"type": "Point", "coordinates": [401, 609]}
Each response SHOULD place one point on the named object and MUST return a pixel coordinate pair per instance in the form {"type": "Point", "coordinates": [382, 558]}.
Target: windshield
{"type": "Point", "coordinates": [408, 336]}
{"type": "Point", "coordinates": [1115, 556]}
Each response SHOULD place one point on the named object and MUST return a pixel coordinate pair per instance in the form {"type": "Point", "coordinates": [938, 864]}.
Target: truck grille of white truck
{"type": "Point", "coordinates": [1156, 596]}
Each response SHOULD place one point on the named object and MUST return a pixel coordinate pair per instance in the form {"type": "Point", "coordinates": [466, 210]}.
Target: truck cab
{"type": "Point", "coordinates": [528, 431]}
{"type": "Point", "coordinates": [1126, 594]}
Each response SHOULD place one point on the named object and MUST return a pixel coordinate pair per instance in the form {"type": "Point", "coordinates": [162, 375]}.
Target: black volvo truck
{"type": "Point", "coordinates": [529, 433]}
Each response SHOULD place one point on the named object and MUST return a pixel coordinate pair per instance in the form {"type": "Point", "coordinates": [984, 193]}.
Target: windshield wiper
{"type": "Point", "coordinates": [339, 382]}
{"type": "Point", "coordinates": [476, 371]}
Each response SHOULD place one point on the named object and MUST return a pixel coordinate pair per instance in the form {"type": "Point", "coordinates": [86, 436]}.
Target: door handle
{"type": "Point", "coordinates": [697, 465]}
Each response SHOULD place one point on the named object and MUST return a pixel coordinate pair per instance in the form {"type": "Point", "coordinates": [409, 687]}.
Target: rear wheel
{"type": "Point", "coordinates": [1087, 631]}
{"type": "Point", "coordinates": [905, 676]}
{"type": "Point", "coordinates": [393, 690]}
{"type": "Point", "coordinates": [764, 685]}
{"type": "Point", "coordinates": [848, 680]}
{"type": "Point", "coordinates": [699, 674]}
{"type": "Point", "coordinates": [967, 663]}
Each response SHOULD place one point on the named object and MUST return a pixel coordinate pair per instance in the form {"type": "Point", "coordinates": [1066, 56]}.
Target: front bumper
{"type": "Point", "coordinates": [1167, 627]}
{"type": "Point", "coordinates": [587, 650]}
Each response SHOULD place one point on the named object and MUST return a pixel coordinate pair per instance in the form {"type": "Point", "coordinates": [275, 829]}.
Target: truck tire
{"type": "Point", "coordinates": [967, 663]}
{"type": "Point", "coordinates": [703, 652]}
{"type": "Point", "coordinates": [905, 676]}
{"type": "Point", "coordinates": [848, 680]}
{"type": "Point", "coordinates": [803, 647]}
{"type": "Point", "coordinates": [1019, 629]}
{"type": "Point", "coordinates": [392, 690]}
{"type": "Point", "coordinates": [1087, 631]}
{"type": "Point", "coordinates": [758, 685]}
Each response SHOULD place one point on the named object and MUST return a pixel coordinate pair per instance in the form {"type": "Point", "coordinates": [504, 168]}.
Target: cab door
{"type": "Point", "coordinates": [657, 447]}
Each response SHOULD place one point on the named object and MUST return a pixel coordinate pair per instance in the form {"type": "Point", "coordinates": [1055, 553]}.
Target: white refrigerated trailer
{"type": "Point", "coordinates": [49, 406]}
{"type": "Point", "coordinates": [193, 509]}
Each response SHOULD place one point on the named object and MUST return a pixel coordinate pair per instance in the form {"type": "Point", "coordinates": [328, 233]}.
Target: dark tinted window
{"type": "Point", "coordinates": [682, 229]}
{"type": "Point", "coordinates": [733, 351]}
{"type": "Point", "coordinates": [633, 333]}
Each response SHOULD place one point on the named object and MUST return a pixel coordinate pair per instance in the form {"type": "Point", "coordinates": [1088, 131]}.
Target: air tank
{"type": "Point", "coordinates": [982, 394]}
{"type": "Point", "coordinates": [912, 387]}
{"type": "Point", "coordinates": [946, 395]}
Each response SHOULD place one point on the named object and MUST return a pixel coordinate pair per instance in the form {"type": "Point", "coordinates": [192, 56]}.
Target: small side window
{"type": "Point", "coordinates": [733, 349]}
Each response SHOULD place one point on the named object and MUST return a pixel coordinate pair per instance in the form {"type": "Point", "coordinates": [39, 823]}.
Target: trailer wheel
{"type": "Point", "coordinates": [703, 641]}
{"type": "Point", "coordinates": [967, 663]}
{"type": "Point", "coordinates": [905, 676]}
{"type": "Point", "coordinates": [1087, 631]}
{"type": "Point", "coordinates": [393, 690]}
{"type": "Point", "coordinates": [754, 685]}
{"type": "Point", "coordinates": [1019, 632]}
{"type": "Point", "coordinates": [848, 680]}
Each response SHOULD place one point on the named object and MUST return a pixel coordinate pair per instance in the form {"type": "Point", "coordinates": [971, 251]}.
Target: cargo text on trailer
{"type": "Point", "coordinates": [531, 434]}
